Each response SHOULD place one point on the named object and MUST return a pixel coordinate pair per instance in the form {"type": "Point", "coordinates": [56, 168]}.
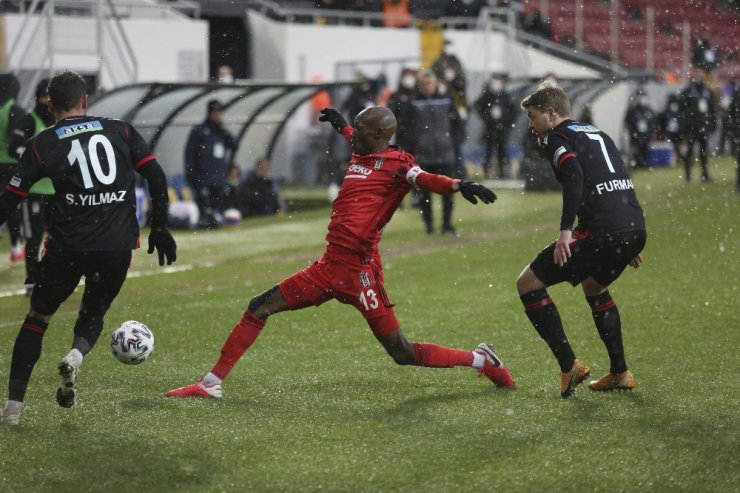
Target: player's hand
{"type": "Point", "coordinates": [636, 262]}
{"type": "Point", "coordinates": [562, 247]}
{"type": "Point", "coordinates": [470, 190]}
{"type": "Point", "coordinates": [334, 117]}
{"type": "Point", "coordinates": [162, 240]}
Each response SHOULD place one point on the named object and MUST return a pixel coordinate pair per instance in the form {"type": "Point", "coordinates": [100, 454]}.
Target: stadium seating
{"type": "Point", "coordinates": [706, 18]}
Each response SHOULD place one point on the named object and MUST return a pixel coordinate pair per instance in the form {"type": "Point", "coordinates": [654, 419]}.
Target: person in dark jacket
{"type": "Point", "coordinates": [435, 123]}
{"type": "Point", "coordinates": [32, 209]}
{"type": "Point", "coordinates": [400, 105]}
{"type": "Point", "coordinates": [10, 113]}
{"type": "Point", "coordinates": [640, 121]}
{"type": "Point", "coordinates": [259, 193]}
{"type": "Point", "coordinates": [669, 123]}
{"type": "Point", "coordinates": [207, 155]}
{"type": "Point", "coordinates": [699, 116]}
{"type": "Point", "coordinates": [497, 110]}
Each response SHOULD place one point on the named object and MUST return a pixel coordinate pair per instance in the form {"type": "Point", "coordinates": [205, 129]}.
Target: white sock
{"type": "Point", "coordinates": [211, 379]}
{"type": "Point", "coordinates": [478, 360]}
{"type": "Point", "coordinates": [13, 406]}
{"type": "Point", "coordinates": [76, 356]}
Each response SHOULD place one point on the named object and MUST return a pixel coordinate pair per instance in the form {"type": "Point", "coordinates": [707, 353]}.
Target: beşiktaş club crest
{"type": "Point", "coordinates": [365, 279]}
{"type": "Point", "coordinates": [378, 163]}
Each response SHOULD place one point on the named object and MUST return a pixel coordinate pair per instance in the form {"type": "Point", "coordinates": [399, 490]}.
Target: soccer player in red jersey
{"type": "Point", "coordinates": [378, 178]}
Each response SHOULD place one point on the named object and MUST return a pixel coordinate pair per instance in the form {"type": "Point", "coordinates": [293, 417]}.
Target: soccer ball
{"type": "Point", "coordinates": [132, 342]}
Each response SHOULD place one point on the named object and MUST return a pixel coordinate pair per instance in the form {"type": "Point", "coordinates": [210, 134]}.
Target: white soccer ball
{"type": "Point", "coordinates": [132, 342]}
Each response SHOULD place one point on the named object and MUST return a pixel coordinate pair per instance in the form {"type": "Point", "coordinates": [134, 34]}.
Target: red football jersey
{"type": "Point", "coordinates": [372, 189]}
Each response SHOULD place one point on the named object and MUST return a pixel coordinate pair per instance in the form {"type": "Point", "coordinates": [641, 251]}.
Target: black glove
{"type": "Point", "coordinates": [470, 190]}
{"type": "Point", "coordinates": [162, 240]}
{"type": "Point", "coordinates": [334, 117]}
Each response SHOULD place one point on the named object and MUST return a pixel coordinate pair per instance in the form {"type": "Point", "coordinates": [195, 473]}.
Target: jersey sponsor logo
{"type": "Point", "coordinates": [95, 198]}
{"type": "Point", "coordinates": [78, 128]}
{"type": "Point", "coordinates": [378, 163]}
{"type": "Point", "coordinates": [359, 169]}
{"type": "Point", "coordinates": [365, 279]}
{"type": "Point", "coordinates": [558, 152]}
{"type": "Point", "coordinates": [614, 185]}
{"type": "Point", "coordinates": [15, 182]}
{"type": "Point", "coordinates": [583, 128]}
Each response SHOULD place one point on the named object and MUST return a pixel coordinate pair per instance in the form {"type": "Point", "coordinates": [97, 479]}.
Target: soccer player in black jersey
{"type": "Point", "coordinates": [92, 227]}
{"type": "Point", "coordinates": [609, 236]}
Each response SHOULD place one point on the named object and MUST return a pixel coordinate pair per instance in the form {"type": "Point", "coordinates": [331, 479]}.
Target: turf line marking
{"type": "Point", "coordinates": [131, 275]}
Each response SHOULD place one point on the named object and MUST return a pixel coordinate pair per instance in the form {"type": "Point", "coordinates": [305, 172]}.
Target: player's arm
{"type": "Point", "coordinates": [148, 167]}
{"type": "Point", "coordinates": [444, 185]}
{"type": "Point", "coordinates": [29, 172]}
{"type": "Point", "coordinates": [338, 122]}
{"type": "Point", "coordinates": [569, 173]}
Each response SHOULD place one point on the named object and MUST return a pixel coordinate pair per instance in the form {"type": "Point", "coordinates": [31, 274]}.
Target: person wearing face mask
{"type": "Point", "coordinates": [400, 105]}
{"type": "Point", "coordinates": [640, 121]}
{"type": "Point", "coordinates": [496, 108]}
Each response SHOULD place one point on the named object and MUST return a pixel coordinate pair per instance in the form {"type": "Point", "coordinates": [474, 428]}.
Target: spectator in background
{"type": "Point", "coordinates": [435, 119]}
{"type": "Point", "coordinates": [400, 105]}
{"type": "Point", "coordinates": [362, 96]}
{"type": "Point", "coordinates": [464, 8]}
{"type": "Point", "coordinates": [705, 55]}
{"type": "Point", "coordinates": [497, 110]}
{"type": "Point", "coordinates": [640, 122]}
{"type": "Point", "coordinates": [32, 208]}
{"type": "Point", "coordinates": [669, 123]}
{"type": "Point", "coordinates": [232, 199]}
{"type": "Point", "coordinates": [396, 13]}
{"type": "Point", "coordinates": [699, 120]}
{"type": "Point", "coordinates": [259, 194]}
{"type": "Point", "coordinates": [535, 24]}
{"type": "Point", "coordinates": [449, 71]}
{"type": "Point", "coordinates": [10, 113]}
{"type": "Point", "coordinates": [587, 115]}
{"type": "Point", "coordinates": [225, 75]}
{"type": "Point", "coordinates": [725, 139]}
{"type": "Point", "coordinates": [207, 154]}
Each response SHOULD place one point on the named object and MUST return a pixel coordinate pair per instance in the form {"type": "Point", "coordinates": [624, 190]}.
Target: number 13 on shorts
{"type": "Point", "coordinates": [369, 299]}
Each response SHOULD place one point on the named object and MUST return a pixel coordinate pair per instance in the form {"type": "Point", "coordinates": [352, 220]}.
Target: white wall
{"type": "Point", "coordinates": [167, 50]}
{"type": "Point", "coordinates": [299, 52]}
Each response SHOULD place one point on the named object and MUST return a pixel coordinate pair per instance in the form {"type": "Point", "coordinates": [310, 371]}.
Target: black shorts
{"type": "Point", "coordinates": [603, 258]}
{"type": "Point", "coordinates": [59, 273]}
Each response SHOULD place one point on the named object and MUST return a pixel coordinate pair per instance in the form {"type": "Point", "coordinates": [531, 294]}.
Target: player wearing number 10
{"type": "Point", "coordinates": [610, 235]}
{"type": "Point", "coordinates": [92, 227]}
{"type": "Point", "coordinates": [378, 178]}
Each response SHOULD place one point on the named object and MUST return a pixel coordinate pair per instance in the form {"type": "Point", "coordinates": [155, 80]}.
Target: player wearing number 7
{"type": "Point", "coordinates": [378, 178]}
{"type": "Point", "coordinates": [610, 235]}
{"type": "Point", "coordinates": [92, 227]}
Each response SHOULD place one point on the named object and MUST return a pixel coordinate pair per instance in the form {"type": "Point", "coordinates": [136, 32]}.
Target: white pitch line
{"type": "Point", "coordinates": [131, 275]}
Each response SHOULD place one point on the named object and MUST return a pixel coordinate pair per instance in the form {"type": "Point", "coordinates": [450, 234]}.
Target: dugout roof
{"type": "Point", "coordinates": [164, 114]}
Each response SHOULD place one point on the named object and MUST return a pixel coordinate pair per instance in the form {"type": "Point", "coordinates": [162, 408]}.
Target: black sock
{"type": "Point", "coordinates": [87, 331]}
{"type": "Point", "coordinates": [545, 318]}
{"type": "Point", "coordinates": [26, 352]}
{"type": "Point", "coordinates": [609, 325]}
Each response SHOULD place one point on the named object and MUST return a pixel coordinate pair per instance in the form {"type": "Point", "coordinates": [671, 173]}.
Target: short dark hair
{"type": "Point", "coordinates": [66, 90]}
{"type": "Point", "coordinates": [549, 95]}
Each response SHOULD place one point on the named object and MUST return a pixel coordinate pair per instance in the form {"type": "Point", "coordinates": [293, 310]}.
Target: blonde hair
{"type": "Point", "coordinates": [549, 95]}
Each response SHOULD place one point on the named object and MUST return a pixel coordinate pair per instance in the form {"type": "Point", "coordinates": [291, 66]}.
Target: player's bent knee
{"type": "Point", "coordinates": [260, 300]}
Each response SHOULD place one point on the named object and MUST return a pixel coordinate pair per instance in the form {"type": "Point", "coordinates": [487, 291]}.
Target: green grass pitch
{"type": "Point", "coordinates": [316, 404]}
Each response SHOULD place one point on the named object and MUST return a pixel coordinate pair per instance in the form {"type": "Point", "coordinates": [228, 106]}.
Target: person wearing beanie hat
{"type": "Point", "coordinates": [32, 209]}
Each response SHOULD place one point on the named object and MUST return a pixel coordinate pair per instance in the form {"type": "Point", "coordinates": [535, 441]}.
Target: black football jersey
{"type": "Point", "coordinates": [91, 162]}
{"type": "Point", "coordinates": [608, 203]}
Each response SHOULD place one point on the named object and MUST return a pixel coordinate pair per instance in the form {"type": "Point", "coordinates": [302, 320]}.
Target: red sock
{"type": "Point", "coordinates": [434, 356]}
{"type": "Point", "coordinates": [241, 337]}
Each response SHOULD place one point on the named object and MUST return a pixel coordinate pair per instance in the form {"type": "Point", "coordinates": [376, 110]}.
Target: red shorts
{"type": "Point", "coordinates": [349, 278]}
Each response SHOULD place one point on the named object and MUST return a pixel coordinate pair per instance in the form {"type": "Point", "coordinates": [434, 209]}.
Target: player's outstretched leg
{"type": "Point", "coordinates": [240, 339]}
{"type": "Point", "coordinates": [493, 368]}
{"type": "Point", "coordinates": [10, 414]}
